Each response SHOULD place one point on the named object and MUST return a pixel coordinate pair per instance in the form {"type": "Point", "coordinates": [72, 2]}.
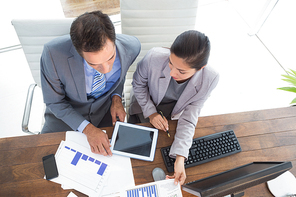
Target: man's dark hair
{"type": "Point", "coordinates": [194, 47]}
{"type": "Point", "coordinates": [90, 31]}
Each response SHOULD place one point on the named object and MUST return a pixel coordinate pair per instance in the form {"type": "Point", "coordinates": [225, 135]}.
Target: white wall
{"type": "Point", "coordinates": [250, 10]}
{"type": "Point", "coordinates": [15, 76]}
{"type": "Point", "coordinates": [24, 9]}
{"type": "Point", "coordinates": [278, 31]}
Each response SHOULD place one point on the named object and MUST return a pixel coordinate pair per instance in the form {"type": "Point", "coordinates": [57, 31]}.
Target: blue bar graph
{"type": "Point", "coordinates": [83, 170]}
{"type": "Point", "coordinates": [84, 157]}
{"type": "Point", "coordinates": [150, 191]}
{"type": "Point", "coordinates": [79, 156]}
{"type": "Point", "coordinates": [76, 158]}
{"type": "Point", "coordinates": [102, 169]}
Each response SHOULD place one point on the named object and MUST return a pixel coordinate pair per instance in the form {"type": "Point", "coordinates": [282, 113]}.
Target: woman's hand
{"type": "Point", "coordinates": [180, 174]}
{"type": "Point", "coordinates": [158, 122]}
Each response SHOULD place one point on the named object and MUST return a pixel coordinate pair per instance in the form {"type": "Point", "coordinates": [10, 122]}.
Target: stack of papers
{"type": "Point", "coordinates": [89, 173]}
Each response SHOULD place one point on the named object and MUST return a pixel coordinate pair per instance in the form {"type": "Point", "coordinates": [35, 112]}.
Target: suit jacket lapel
{"type": "Point", "coordinates": [77, 71]}
{"type": "Point", "coordinates": [163, 82]}
{"type": "Point", "coordinates": [124, 58]}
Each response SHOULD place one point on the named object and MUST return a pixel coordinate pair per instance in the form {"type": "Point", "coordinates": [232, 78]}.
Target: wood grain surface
{"type": "Point", "coordinates": [265, 135]}
{"type": "Point", "coordinates": [74, 8]}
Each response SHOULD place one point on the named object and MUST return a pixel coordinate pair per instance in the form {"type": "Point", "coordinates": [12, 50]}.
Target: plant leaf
{"type": "Point", "coordinates": [292, 72]}
{"type": "Point", "coordinates": [294, 101]}
{"type": "Point", "coordinates": [289, 89]}
{"type": "Point", "coordinates": [291, 82]}
{"type": "Point", "coordinates": [290, 79]}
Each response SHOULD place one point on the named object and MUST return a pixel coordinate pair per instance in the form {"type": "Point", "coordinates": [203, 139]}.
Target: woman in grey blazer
{"type": "Point", "coordinates": [175, 82]}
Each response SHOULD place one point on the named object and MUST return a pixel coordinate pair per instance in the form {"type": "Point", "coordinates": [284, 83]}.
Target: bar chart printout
{"type": "Point", "coordinates": [163, 188]}
{"type": "Point", "coordinates": [85, 171]}
{"type": "Point", "coordinates": [147, 191]}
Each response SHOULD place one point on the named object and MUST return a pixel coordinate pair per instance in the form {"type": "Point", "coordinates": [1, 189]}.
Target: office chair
{"type": "Point", "coordinates": [156, 24]}
{"type": "Point", "coordinates": [33, 34]}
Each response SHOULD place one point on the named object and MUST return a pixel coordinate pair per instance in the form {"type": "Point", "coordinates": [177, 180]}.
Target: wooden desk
{"type": "Point", "coordinates": [265, 135]}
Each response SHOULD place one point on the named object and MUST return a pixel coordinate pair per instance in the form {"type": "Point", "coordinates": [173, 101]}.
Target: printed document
{"type": "Point", "coordinates": [89, 173]}
{"type": "Point", "coordinates": [164, 188]}
{"type": "Point", "coordinates": [81, 169]}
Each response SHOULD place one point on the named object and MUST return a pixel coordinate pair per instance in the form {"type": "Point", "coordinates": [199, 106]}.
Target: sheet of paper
{"type": "Point", "coordinates": [121, 175]}
{"type": "Point", "coordinates": [71, 194]}
{"type": "Point", "coordinates": [81, 169]}
{"type": "Point", "coordinates": [162, 188]}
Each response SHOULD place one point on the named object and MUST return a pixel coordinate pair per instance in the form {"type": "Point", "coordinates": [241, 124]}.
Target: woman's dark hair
{"type": "Point", "coordinates": [90, 31]}
{"type": "Point", "coordinates": [194, 47]}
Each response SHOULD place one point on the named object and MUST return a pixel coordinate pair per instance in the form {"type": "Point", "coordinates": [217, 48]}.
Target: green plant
{"type": "Point", "coordinates": [290, 78]}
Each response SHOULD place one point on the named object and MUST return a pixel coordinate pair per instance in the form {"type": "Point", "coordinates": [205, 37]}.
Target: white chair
{"type": "Point", "coordinates": [33, 34]}
{"type": "Point", "coordinates": [156, 23]}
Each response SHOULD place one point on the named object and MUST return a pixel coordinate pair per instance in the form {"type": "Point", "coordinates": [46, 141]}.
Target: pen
{"type": "Point", "coordinates": [163, 118]}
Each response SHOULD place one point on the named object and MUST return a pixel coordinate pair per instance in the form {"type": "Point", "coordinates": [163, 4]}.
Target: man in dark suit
{"type": "Point", "coordinates": [82, 78]}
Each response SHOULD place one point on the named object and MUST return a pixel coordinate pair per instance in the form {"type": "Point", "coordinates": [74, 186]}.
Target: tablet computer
{"type": "Point", "coordinates": [134, 141]}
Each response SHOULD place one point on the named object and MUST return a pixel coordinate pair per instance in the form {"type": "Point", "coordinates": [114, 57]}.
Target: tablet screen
{"type": "Point", "coordinates": [135, 141]}
{"type": "Point", "coordinates": [131, 140]}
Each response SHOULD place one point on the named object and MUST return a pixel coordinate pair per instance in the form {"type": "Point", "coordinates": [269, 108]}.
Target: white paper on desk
{"type": "Point", "coordinates": [121, 175]}
{"type": "Point", "coordinates": [71, 194]}
{"type": "Point", "coordinates": [162, 188]}
{"type": "Point", "coordinates": [81, 169]}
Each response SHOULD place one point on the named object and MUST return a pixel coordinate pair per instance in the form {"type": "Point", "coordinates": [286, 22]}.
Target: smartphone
{"type": "Point", "coordinates": [50, 167]}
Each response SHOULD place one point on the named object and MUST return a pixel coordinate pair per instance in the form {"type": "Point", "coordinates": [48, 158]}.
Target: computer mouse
{"type": "Point", "coordinates": [158, 174]}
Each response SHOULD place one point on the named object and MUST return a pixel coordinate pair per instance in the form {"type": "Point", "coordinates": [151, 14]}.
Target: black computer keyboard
{"type": "Point", "coordinates": [205, 149]}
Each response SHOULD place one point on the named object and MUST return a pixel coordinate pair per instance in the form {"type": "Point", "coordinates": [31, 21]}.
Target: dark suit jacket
{"type": "Point", "coordinates": [63, 83]}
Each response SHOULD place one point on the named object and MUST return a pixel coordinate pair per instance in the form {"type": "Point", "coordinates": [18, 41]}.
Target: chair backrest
{"type": "Point", "coordinates": [156, 24]}
{"type": "Point", "coordinates": [34, 33]}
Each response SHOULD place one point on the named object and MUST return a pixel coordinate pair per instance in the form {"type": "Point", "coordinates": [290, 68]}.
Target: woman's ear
{"type": "Point", "coordinates": [202, 67]}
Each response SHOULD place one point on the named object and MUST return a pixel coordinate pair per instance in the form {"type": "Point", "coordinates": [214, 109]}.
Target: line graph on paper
{"type": "Point", "coordinates": [79, 166]}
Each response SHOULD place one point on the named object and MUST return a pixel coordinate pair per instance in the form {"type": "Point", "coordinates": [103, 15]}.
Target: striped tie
{"type": "Point", "coordinates": [98, 85]}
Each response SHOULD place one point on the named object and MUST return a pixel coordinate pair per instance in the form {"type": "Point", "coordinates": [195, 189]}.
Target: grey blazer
{"type": "Point", "coordinates": [150, 82]}
{"type": "Point", "coordinates": [63, 83]}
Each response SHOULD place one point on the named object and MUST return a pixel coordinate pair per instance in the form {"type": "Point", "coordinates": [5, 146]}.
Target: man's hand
{"type": "Point", "coordinates": [98, 140]}
{"type": "Point", "coordinates": [158, 122]}
{"type": "Point", "coordinates": [117, 109]}
{"type": "Point", "coordinates": [179, 174]}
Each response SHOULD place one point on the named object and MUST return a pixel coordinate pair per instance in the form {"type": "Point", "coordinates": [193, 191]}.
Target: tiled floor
{"type": "Point", "coordinates": [249, 74]}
